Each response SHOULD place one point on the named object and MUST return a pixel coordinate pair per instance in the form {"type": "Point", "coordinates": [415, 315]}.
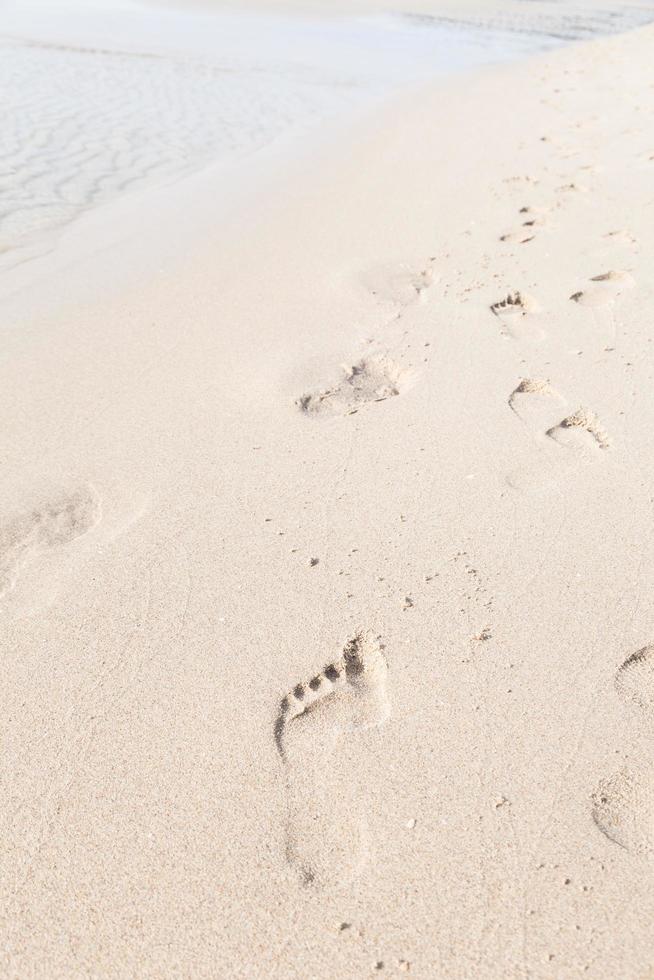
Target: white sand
{"type": "Point", "coordinates": [295, 446]}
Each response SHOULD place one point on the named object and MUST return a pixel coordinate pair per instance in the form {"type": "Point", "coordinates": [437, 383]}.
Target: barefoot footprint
{"type": "Point", "coordinates": [53, 525]}
{"type": "Point", "coordinates": [372, 379]}
{"type": "Point", "coordinates": [634, 684]}
{"type": "Point", "coordinates": [623, 809]}
{"type": "Point", "coordinates": [604, 289]}
{"type": "Point", "coordinates": [535, 402]}
{"type": "Point", "coordinates": [401, 285]}
{"type": "Point", "coordinates": [581, 432]}
{"type": "Point", "coordinates": [580, 435]}
{"type": "Point", "coordinates": [623, 803]}
{"type": "Point", "coordinates": [324, 844]}
{"type": "Point", "coordinates": [518, 315]}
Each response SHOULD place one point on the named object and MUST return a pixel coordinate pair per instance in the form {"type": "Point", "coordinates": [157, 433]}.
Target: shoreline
{"type": "Point", "coordinates": [243, 82]}
{"type": "Point", "coordinates": [305, 459]}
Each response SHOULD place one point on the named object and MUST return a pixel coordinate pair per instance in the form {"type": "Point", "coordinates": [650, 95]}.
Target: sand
{"type": "Point", "coordinates": [325, 556]}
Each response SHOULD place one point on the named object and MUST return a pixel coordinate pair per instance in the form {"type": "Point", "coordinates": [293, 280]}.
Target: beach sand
{"type": "Point", "coordinates": [326, 556]}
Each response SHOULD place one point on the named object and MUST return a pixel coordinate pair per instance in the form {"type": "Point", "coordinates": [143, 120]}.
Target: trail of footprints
{"type": "Point", "coordinates": [326, 841]}
{"type": "Point", "coordinates": [622, 805]}
{"type": "Point", "coordinates": [54, 525]}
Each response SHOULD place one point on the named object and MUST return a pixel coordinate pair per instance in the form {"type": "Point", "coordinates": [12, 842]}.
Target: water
{"type": "Point", "coordinates": [102, 101]}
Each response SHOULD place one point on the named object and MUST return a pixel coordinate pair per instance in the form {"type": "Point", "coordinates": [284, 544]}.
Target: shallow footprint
{"type": "Point", "coordinates": [580, 435]}
{"type": "Point", "coordinates": [324, 842]}
{"type": "Point", "coordinates": [55, 524]}
{"type": "Point", "coordinates": [372, 379]}
{"type": "Point", "coordinates": [623, 809]}
{"type": "Point", "coordinates": [604, 289]}
{"type": "Point", "coordinates": [634, 683]}
{"type": "Point", "coordinates": [402, 285]}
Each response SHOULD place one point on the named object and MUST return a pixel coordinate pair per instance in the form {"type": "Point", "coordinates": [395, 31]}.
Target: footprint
{"type": "Point", "coordinates": [53, 525]}
{"type": "Point", "coordinates": [623, 809]}
{"type": "Point", "coordinates": [373, 379]}
{"type": "Point", "coordinates": [580, 432]}
{"type": "Point", "coordinates": [573, 188]}
{"type": "Point", "coordinates": [324, 843]}
{"type": "Point", "coordinates": [519, 236]}
{"type": "Point", "coordinates": [634, 683]}
{"type": "Point", "coordinates": [620, 237]}
{"type": "Point", "coordinates": [401, 285]}
{"type": "Point", "coordinates": [580, 435]}
{"type": "Point", "coordinates": [605, 289]}
{"type": "Point", "coordinates": [513, 311]}
{"type": "Point", "coordinates": [534, 401]}
{"type": "Point", "coordinates": [514, 304]}
{"type": "Point", "coordinates": [534, 213]}
{"type": "Point", "coordinates": [534, 218]}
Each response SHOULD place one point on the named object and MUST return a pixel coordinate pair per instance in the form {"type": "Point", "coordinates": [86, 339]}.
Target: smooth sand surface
{"type": "Point", "coordinates": [561, 18]}
{"type": "Point", "coordinates": [326, 561]}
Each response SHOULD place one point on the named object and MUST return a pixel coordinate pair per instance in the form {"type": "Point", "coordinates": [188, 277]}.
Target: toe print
{"type": "Point", "coordinates": [323, 845]}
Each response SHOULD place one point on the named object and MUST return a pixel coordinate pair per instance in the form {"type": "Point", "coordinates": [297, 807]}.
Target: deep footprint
{"type": "Point", "coordinates": [53, 525]}
{"type": "Point", "coordinates": [323, 844]}
{"type": "Point", "coordinates": [373, 379]}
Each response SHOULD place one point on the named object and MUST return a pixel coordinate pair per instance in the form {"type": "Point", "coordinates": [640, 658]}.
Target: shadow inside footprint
{"type": "Point", "coordinates": [324, 842]}
{"type": "Point", "coordinates": [55, 524]}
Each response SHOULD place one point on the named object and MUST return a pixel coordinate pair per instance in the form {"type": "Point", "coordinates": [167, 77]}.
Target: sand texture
{"type": "Point", "coordinates": [326, 567]}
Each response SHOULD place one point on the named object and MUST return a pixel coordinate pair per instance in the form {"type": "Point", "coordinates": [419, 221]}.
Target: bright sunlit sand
{"type": "Point", "coordinates": [327, 489]}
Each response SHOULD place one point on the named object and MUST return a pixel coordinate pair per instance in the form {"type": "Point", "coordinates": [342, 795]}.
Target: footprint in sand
{"type": "Point", "coordinates": [325, 842]}
{"type": "Point", "coordinates": [53, 525]}
{"type": "Point", "coordinates": [634, 683]}
{"type": "Point", "coordinates": [516, 312]}
{"type": "Point", "coordinates": [401, 285]}
{"type": "Point", "coordinates": [519, 236]}
{"type": "Point", "coordinates": [604, 289]}
{"type": "Point", "coordinates": [581, 433]}
{"type": "Point", "coordinates": [533, 218]}
{"type": "Point", "coordinates": [623, 804]}
{"type": "Point", "coordinates": [537, 403]}
{"type": "Point", "coordinates": [372, 379]}
{"type": "Point", "coordinates": [622, 807]}
{"type": "Point", "coordinates": [620, 237]}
